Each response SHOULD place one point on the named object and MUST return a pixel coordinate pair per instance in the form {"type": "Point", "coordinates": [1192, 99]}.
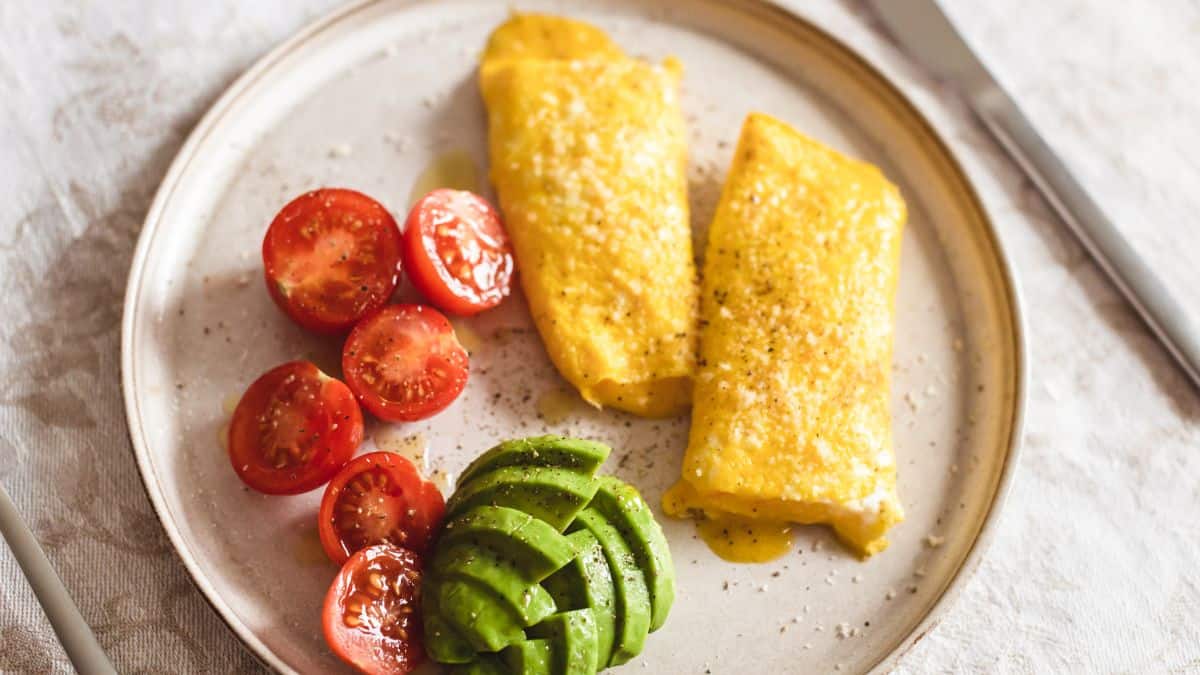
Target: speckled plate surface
{"type": "Point", "coordinates": [366, 98]}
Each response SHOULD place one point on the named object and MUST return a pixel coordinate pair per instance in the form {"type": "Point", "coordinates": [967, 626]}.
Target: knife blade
{"type": "Point", "coordinates": [928, 36]}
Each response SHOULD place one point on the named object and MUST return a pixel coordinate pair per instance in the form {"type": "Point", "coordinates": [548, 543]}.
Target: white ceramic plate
{"type": "Point", "coordinates": [364, 99]}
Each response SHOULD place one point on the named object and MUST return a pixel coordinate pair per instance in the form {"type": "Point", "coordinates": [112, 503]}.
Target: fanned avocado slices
{"type": "Point", "coordinates": [624, 508]}
{"type": "Point", "coordinates": [484, 664]}
{"type": "Point", "coordinates": [572, 638]}
{"type": "Point", "coordinates": [632, 595]}
{"type": "Point", "coordinates": [442, 643]}
{"type": "Point", "coordinates": [529, 601]}
{"type": "Point", "coordinates": [587, 583]}
{"type": "Point", "coordinates": [569, 453]}
{"type": "Point", "coordinates": [477, 614]}
{"type": "Point", "coordinates": [532, 657]}
{"type": "Point", "coordinates": [507, 593]}
{"type": "Point", "coordinates": [535, 546]}
{"type": "Point", "coordinates": [551, 494]}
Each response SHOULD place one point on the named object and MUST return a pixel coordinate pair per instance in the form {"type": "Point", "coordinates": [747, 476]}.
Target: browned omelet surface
{"type": "Point", "coordinates": [791, 418]}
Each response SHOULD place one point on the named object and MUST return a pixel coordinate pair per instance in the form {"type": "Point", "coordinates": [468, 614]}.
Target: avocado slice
{"type": "Point", "coordinates": [442, 643]}
{"type": "Point", "coordinates": [529, 601]}
{"type": "Point", "coordinates": [632, 595]}
{"type": "Point", "coordinates": [586, 582]}
{"type": "Point", "coordinates": [582, 456]}
{"type": "Point", "coordinates": [532, 657]}
{"type": "Point", "coordinates": [478, 614]}
{"type": "Point", "coordinates": [566, 586]}
{"type": "Point", "coordinates": [533, 545]}
{"type": "Point", "coordinates": [485, 664]}
{"type": "Point", "coordinates": [551, 494]}
{"type": "Point", "coordinates": [572, 637]}
{"type": "Point", "coordinates": [623, 507]}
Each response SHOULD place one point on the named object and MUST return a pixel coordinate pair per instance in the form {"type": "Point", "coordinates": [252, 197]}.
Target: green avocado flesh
{"type": "Point", "coordinates": [529, 601]}
{"type": "Point", "coordinates": [506, 592]}
{"type": "Point", "coordinates": [537, 548]}
{"type": "Point", "coordinates": [532, 657]}
{"type": "Point", "coordinates": [487, 664]}
{"type": "Point", "coordinates": [582, 456]}
{"type": "Point", "coordinates": [442, 643]}
{"type": "Point", "coordinates": [475, 613]}
{"type": "Point", "coordinates": [551, 494]}
{"type": "Point", "coordinates": [624, 508]}
{"type": "Point", "coordinates": [586, 583]}
{"type": "Point", "coordinates": [572, 638]}
{"type": "Point", "coordinates": [632, 596]}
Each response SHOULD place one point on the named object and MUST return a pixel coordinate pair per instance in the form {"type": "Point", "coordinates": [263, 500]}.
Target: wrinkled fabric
{"type": "Point", "coordinates": [1093, 566]}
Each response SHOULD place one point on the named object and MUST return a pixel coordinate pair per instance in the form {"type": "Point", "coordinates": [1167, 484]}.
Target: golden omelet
{"type": "Point", "coordinates": [588, 151]}
{"type": "Point", "coordinates": [791, 418]}
{"type": "Point", "coordinates": [541, 36]}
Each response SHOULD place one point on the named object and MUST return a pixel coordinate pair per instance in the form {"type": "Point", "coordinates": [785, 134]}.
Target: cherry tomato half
{"type": "Point", "coordinates": [293, 429]}
{"type": "Point", "coordinates": [379, 498]}
{"type": "Point", "coordinates": [330, 257]}
{"type": "Point", "coordinates": [404, 363]}
{"type": "Point", "coordinates": [372, 613]}
{"type": "Point", "coordinates": [457, 253]}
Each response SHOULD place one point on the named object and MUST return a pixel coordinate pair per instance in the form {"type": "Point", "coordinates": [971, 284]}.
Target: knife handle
{"type": "Point", "coordinates": [1165, 317]}
{"type": "Point", "coordinates": [73, 632]}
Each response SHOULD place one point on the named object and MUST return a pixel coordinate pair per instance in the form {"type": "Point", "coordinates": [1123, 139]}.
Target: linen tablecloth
{"type": "Point", "coordinates": [1096, 566]}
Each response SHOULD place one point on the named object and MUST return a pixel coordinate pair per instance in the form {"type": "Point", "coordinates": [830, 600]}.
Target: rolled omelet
{"type": "Point", "coordinates": [588, 150]}
{"type": "Point", "coordinates": [791, 417]}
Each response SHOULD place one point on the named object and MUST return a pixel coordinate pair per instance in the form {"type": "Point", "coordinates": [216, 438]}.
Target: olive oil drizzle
{"type": "Point", "coordinates": [744, 540]}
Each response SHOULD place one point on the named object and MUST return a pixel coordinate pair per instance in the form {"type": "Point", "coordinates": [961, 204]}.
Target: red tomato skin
{"type": "Point", "coordinates": [298, 316]}
{"type": "Point", "coordinates": [453, 359]}
{"type": "Point", "coordinates": [288, 219]}
{"type": "Point", "coordinates": [428, 274]}
{"type": "Point", "coordinates": [372, 653]}
{"type": "Point", "coordinates": [339, 407]}
{"type": "Point", "coordinates": [418, 494]}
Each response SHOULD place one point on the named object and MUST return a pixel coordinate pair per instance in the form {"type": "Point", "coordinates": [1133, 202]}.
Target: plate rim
{"type": "Point", "coordinates": [783, 17]}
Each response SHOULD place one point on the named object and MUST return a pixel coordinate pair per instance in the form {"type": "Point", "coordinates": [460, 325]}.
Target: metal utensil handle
{"type": "Point", "coordinates": [73, 632]}
{"type": "Point", "coordinates": [1128, 271]}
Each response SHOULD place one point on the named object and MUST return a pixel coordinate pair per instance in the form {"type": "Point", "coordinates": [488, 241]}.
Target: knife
{"type": "Point", "coordinates": [927, 35]}
{"type": "Point", "coordinates": [73, 632]}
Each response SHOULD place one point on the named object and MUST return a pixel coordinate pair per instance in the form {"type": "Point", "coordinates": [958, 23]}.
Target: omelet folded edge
{"type": "Point", "coordinates": [861, 513]}
{"type": "Point", "coordinates": [665, 388]}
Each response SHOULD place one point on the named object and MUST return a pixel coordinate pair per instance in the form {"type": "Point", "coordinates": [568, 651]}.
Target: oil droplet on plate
{"type": "Point", "coordinates": [223, 436]}
{"type": "Point", "coordinates": [410, 446]}
{"type": "Point", "coordinates": [307, 549]}
{"type": "Point", "coordinates": [556, 405]}
{"type": "Point", "coordinates": [230, 403]}
{"type": "Point", "coordinates": [743, 540]}
{"type": "Point", "coordinates": [452, 169]}
{"type": "Point", "coordinates": [444, 480]}
{"type": "Point", "coordinates": [467, 336]}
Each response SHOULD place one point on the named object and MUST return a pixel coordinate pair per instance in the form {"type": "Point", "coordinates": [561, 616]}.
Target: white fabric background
{"type": "Point", "coordinates": [1097, 564]}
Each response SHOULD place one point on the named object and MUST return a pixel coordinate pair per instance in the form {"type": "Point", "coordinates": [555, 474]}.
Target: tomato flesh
{"type": "Point", "coordinates": [331, 256]}
{"type": "Point", "coordinates": [372, 613]}
{"type": "Point", "coordinates": [457, 253]}
{"type": "Point", "coordinates": [293, 429]}
{"type": "Point", "coordinates": [379, 498]}
{"type": "Point", "coordinates": [404, 363]}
